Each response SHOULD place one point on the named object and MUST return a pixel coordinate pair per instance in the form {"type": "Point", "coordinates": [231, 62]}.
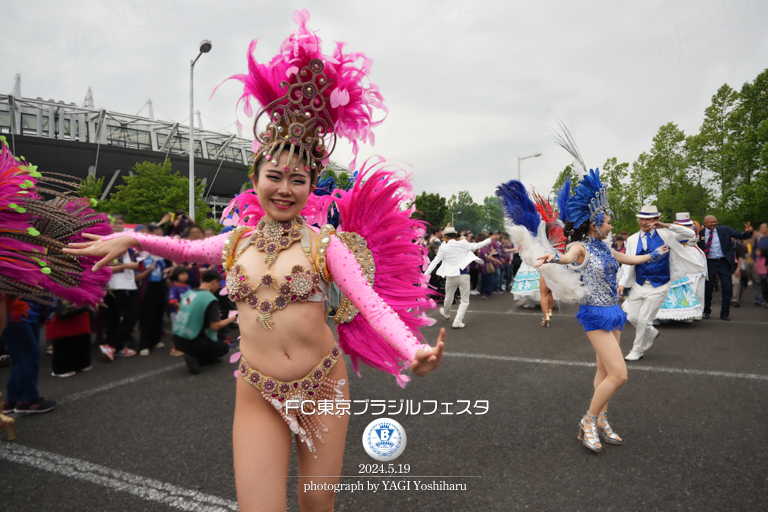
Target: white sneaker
{"type": "Point", "coordinates": [442, 312]}
{"type": "Point", "coordinates": [634, 355]}
{"type": "Point", "coordinates": [160, 345]}
{"type": "Point", "coordinates": [458, 325]}
{"type": "Point", "coordinates": [474, 292]}
{"type": "Point", "coordinates": [144, 352]}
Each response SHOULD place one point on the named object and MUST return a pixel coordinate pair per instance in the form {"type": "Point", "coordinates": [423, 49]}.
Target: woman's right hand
{"type": "Point", "coordinates": [547, 258]}
{"type": "Point", "coordinates": [110, 249]}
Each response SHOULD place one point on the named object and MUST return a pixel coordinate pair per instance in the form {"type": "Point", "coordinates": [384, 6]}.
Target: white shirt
{"type": "Point", "coordinates": [455, 255]}
{"type": "Point", "coordinates": [644, 238]}
{"type": "Point", "coordinates": [123, 280]}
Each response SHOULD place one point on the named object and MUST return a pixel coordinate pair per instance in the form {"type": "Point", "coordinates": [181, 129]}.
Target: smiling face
{"type": "Point", "coordinates": [601, 232]}
{"type": "Point", "coordinates": [283, 189]}
{"type": "Point", "coordinates": [646, 225]}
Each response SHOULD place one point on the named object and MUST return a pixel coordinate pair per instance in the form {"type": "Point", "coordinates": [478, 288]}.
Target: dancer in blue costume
{"type": "Point", "coordinates": [587, 218]}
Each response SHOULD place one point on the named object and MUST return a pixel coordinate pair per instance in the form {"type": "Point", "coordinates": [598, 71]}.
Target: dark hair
{"type": "Point", "coordinates": [177, 271]}
{"type": "Point", "coordinates": [210, 275]}
{"type": "Point", "coordinates": [618, 238]}
{"type": "Point", "coordinates": [576, 235]}
{"type": "Point", "coordinates": [451, 235]}
{"type": "Point", "coordinates": [313, 173]}
{"type": "Point", "coordinates": [186, 232]}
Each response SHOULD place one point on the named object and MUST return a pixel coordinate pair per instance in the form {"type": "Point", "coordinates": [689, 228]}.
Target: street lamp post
{"type": "Point", "coordinates": [523, 158]}
{"type": "Point", "coordinates": [205, 47]}
{"type": "Point", "coordinates": [452, 214]}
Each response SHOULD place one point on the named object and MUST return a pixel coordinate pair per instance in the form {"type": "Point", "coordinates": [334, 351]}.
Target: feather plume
{"type": "Point", "coordinates": [563, 198]}
{"type": "Point", "coordinates": [382, 192]}
{"type": "Point", "coordinates": [568, 143]}
{"type": "Point", "coordinates": [565, 283]}
{"type": "Point", "coordinates": [518, 205]}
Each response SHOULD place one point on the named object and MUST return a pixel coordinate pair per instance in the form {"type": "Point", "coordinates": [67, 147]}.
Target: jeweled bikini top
{"type": "Point", "coordinates": [300, 286]}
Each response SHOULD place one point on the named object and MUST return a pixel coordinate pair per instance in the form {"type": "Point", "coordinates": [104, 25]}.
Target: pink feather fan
{"type": "Point", "coordinates": [378, 208]}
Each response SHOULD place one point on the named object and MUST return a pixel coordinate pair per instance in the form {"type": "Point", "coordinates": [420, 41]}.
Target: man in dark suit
{"type": "Point", "coordinates": [717, 245]}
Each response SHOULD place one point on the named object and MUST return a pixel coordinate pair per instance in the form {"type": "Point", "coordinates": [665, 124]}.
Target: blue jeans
{"type": "Point", "coordinates": [488, 284]}
{"type": "Point", "coordinates": [497, 279]}
{"type": "Point", "coordinates": [22, 339]}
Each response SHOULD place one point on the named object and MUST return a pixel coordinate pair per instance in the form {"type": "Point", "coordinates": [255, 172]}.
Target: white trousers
{"type": "Point", "coordinates": [462, 283]}
{"type": "Point", "coordinates": [641, 307]}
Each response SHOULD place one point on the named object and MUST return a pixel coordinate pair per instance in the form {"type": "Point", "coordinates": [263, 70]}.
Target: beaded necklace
{"type": "Point", "coordinates": [273, 236]}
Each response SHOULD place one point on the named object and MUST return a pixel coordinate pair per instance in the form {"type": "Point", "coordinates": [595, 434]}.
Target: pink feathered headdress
{"type": "Point", "coordinates": [309, 99]}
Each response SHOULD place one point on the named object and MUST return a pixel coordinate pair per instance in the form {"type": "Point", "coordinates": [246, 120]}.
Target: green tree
{"type": "Point", "coordinates": [749, 133]}
{"type": "Point", "coordinates": [493, 213]}
{"type": "Point", "coordinates": [211, 223]}
{"type": "Point", "coordinates": [471, 216]}
{"type": "Point", "coordinates": [152, 191]}
{"type": "Point", "coordinates": [712, 149]}
{"type": "Point", "coordinates": [621, 194]}
{"type": "Point", "coordinates": [91, 187]}
{"type": "Point", "coordinates": [431, 208]}
{"type": "Point", "coordinates": [343, 181]}
{"type": "Point", "coordinates": [566, 173]}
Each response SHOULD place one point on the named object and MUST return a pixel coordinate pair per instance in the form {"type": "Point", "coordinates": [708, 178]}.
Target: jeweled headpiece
{"type": "Point", "coordinates": [309, 99]}
{"type": "Point", "coordinates": [590, 201]}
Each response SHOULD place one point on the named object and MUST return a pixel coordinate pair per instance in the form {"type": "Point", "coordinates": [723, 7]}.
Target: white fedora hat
{"type": "Point", "coordinates": [648, 212]}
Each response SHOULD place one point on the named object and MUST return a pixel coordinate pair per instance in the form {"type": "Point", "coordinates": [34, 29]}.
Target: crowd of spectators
{"type": "Point", "coordinates": [150, 293]}
{"type": "Point", "coordinates": [143, 298]}
{"type": "Point", "coordinates": [495, 272]}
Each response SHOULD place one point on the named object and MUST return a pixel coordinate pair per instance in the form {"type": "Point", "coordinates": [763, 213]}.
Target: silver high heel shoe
{"type": "Point", "coordinates": [589, 437]}
{"type": "Point", "coordinates": [606, 433]}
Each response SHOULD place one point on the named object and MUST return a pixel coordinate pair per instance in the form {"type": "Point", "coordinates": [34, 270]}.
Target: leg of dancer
{"type": "Point", "coordinates": [547, 302]}
{"type": "Point", "coordinates": [620, 370]}
{"type": "Point", "coordinates": [451, 283]}
{"type": "Point", "coordinates": [464, 289]}
{"type": "Point", "coordinates": [326, 467]}
{"type": "Point", "coordinates": [610, 376]}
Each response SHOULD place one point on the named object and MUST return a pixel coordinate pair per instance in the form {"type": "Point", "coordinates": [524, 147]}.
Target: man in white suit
{"type": "Point", "coordinates": [650, 282]}
{"type": "Point", "coordinates": [456, 255]}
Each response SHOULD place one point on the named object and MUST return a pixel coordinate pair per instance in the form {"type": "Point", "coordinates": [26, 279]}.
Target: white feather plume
{"type": "Point", "coordinates": [565, 283]}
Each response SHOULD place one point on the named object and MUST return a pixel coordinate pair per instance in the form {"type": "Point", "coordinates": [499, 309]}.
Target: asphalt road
{"type": "Point", "coordinates": [143, 434]}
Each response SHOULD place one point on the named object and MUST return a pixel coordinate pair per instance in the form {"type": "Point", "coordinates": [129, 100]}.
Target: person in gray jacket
{"type": "Point", "coordinates": [456, 255]}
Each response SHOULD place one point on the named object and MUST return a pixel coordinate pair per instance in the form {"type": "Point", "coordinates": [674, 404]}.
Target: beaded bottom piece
{"type": "Point", "coordinates": [306, 392]}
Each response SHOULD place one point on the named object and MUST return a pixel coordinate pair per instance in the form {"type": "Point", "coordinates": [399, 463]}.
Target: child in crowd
{"type": "Point", "coordinates": [179, 286]}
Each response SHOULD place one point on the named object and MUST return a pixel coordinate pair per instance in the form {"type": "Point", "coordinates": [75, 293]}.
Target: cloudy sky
{"type": "Point", "coordinates": [471, 85]}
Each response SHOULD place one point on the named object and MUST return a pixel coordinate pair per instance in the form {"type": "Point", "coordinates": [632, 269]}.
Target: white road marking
{"type": "Point", "coordinates": [631, 367]}
{"type": "Point", "coordinates": [145, 488]}
{"type": "Point", "coordinates": [538, 313]}
{"type": "Point", "coordinates": [83, 394]}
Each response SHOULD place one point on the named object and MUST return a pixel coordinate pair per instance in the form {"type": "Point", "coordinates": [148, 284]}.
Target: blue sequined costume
{"type": "Point", "coordinates": [601, 311]}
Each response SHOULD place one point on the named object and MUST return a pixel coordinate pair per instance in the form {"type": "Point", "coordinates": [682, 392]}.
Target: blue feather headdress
{"type": "Point", "coordinates": [590, 201]}
{"type": "Point", "coordinates": [518, 205]}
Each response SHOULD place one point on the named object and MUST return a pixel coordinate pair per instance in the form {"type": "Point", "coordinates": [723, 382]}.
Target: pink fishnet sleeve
{"type": "Point", "coordinates": [181, 251]}
{"type": "Point", "coordinates": [347, 274]}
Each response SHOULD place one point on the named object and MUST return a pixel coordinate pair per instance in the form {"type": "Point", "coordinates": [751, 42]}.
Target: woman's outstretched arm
{"type": "Point", "coordinates": [347, 274]}
{"type": "Point", "coordinates": [184, 251]}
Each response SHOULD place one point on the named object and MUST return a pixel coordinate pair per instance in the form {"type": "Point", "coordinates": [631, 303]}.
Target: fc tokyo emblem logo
{"type": "Point", "coordinates": [384, 439]}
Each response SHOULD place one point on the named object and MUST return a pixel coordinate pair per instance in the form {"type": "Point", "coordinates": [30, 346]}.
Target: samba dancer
{"type": "Point", "coordinates": [587, 217]}
{"type": "Point", "coordinates": [289, 353]}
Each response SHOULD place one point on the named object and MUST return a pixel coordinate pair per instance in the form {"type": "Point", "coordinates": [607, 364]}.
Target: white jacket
{"type": "Point", "coordinates": [455, 255]}
{"type": "Point", "coordinates": [682, 260]}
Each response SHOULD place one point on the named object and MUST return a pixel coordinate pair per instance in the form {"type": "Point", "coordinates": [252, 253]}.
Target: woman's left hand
{"type": "Point", "coordinates": [428, 360]}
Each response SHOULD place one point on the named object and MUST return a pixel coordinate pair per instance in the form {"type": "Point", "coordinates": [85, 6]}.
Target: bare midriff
{"type": "Point", "coordinates": [300, 338]}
